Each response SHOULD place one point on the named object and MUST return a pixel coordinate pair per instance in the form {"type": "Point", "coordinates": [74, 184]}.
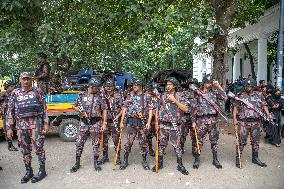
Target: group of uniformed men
{"type": "Point", "coordinates": [106, 112]}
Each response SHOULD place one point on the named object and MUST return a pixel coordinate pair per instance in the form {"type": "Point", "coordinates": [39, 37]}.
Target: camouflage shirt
{"type": "Point", "coordinates": [4, 102]}
{"type": "Point", "coordinates": [134, 104]}
{"type": "Point", "coordinates": [114, 103]}
{"type": "Point", "coordinates": [255, 98]}
{"type": "Point", "coordinates": [85, 100]}
{"type": "Point", "coordinates": [26, 107]}
{"type": "Point", "coordinates": [202, 107]}
{"type": "Point", "coordinates": [188, 116]}
{"type": "Point", "coordinates": [166, 106]}
{"type": "Point", "coordinates": [42, 71]}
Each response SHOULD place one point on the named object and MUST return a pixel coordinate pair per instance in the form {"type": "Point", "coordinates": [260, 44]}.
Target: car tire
{"type": "Point", "coordinates": [68, 129]}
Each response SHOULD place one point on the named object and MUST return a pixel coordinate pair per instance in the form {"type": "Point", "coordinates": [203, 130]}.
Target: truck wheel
{"type": "Point", "coordinates": [68, 129]}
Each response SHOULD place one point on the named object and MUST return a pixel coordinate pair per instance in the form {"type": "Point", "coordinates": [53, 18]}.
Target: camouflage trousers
{"type": "Point", "coordinates": [151, 133]}
{"type": "Point", "coordinates": [252, 129]}
{"type": "Point", "coordinates": [208, 125]}
{"type": "Point", "coordinates": [44, 86]}
{"type": "Point", "coordinates": [111, 131]}
{"type": "Point", "coordinates": [132, 132]}
{"type": "Point", "coordinates": [94, 131]}
{"type": "Point", "coordinates": [28, 136]}
{"type": "Point", "coordinates": [185, 129]}
{"type": "Point", "coordinates": [166, 135]}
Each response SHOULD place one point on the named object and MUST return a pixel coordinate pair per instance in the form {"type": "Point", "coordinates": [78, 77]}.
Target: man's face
{"type": "Point", "coordinates": [10, 88]}
{"type": "Point", "coordinates": [278, 93]}
{"type": "Point", "coordinates": [248, 88]}
{"type": "Point", "coordinates": [136, 88]}
{"type": "Point", "coordinates": [109, 88]}
{"type": "Point", "coordinates": [41, 59]}
{"type": "Point", "coordinates": [170, 86]}
{"type": "Point", "coordinates": [93, 89]}
{"type": "Point", "coordinates": [264, 89]}
{"type": "Point", "coordinates": [26, 82]}
{"type": "Point", "coordinates": [207, 85]}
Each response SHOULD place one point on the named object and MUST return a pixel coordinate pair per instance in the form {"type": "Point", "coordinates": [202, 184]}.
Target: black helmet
{"type": "Point", "coordinates": [250, 82]}
{"type": "Point", "coordinates": [109, 83]}
{"type": "Point", "coordinates": [7, 84]}
{"type": "Point", "coordinates": [207, 78]}
{"type": "Point", "coordinates": [137, 81]}
{"type": "Point", "coordinates": [94, 82]}
{"type": "Point", "coordinates": [192, 81]}
{"type": "Point", "coordinates": [152, 86]}
{"type": "Point", "coordinates": [42, 55]}
{"type": "Point", "coordinates": [173, 80]}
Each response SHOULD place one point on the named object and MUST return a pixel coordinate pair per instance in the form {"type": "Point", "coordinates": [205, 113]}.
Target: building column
{"type": "Point", "coordinates": [262, 60]}
{"type": "Point", "coordinates": [236, 67]}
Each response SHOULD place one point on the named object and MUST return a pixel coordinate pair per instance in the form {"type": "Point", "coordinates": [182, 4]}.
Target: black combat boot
{"type": "Point", "coordinates": [180, 166]}
{"type": "Point", "coordinates": [256, 160]}
{"type": "Point", "coordinates": [216, 162]}
{"type": "Point", "coordinates": [151, 151]}
{"type": "Point", "coordinates": [29, 174]}
{"type": "Point", "coordinates": [11, 147]}
{"type": "Point", "coordinates": [40, 175]}
{"type": "Point", "coordinates": [196, 161]}
{"type": "Point", "coordinates": [125, 162]}
{"type": "Point", "coordinates": [96, 164]}
{"type": "Point", "coordinates": [105, 157]}
{"type": "Point", "coordinates": [160, 164]}
{"type": "Point", "coordinates": [76, 166]}
{"type": "Point", "coordinates": [144, 162]}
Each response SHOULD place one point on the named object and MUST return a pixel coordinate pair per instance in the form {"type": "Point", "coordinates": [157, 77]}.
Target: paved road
{"type": "Point", "coordinates": [60, 157]}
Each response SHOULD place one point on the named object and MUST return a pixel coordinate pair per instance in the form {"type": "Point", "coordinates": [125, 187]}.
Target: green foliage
{"type": "Point", "coordinates": [138, 36]}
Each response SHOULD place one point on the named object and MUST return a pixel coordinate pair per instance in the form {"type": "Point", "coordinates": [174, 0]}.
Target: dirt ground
{"type": "Point", "coordinates": [61, 155]}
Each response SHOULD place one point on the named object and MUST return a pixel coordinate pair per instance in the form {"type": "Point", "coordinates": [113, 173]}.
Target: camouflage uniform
{"type": "Point", "coordinates": [152, 131]}
{"type": "Point", "coordinates": [114, 104]}
{"type": "Point", "coordinates": [134, 124]}
{"type": "Point", "coordinates": [42, 72]}
{"type": "Point", "coordinates": [167, 131]}
{"type": "Point", "coordinates": [186, 125]}
{"type": "Point", "coordinates": [205, 117]}
{"type": "Point", "coordinates": [3, 108]}
{"type": "Point", "coordinates": [249, 120]}
{"type": "Point", "coordinates": [28, 110]}
{"type": "Point", "coordinates": [84, 102]}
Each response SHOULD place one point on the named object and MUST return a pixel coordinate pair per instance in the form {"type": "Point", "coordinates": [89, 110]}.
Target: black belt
{"type": "Point", "coordinates": [249, 119]}
{"type": "Point", "coordinates": [207, 115]}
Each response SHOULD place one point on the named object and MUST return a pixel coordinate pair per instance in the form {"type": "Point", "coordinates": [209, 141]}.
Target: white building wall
{"type": "Point", "coordinates": [202, 65]}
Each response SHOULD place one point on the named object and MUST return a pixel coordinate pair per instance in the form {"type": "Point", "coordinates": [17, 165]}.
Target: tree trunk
{"type": "Point", "coordinates": [220, 58]}
{"type": "Point", "coordinates": [250, 61]}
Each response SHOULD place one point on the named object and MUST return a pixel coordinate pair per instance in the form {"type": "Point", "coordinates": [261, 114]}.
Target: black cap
{"type": "Point", "coordinates": [207, 78]}
{"type": "Point", "coordinates": [42, 55]}
{"type": "Point", "coordinates": [250, 82]}
{"type": "Point", "coordinates": [7, 84]}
